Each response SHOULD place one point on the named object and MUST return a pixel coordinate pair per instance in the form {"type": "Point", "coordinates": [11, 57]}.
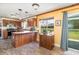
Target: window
{"type": "Point", "coordinates": [47, 26]}
{"type": "Point", "coordinates": [24, 24]}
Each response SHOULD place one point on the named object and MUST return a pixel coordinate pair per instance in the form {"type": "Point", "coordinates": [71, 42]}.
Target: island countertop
{"type": "Point", "coordinates": [23, 32]}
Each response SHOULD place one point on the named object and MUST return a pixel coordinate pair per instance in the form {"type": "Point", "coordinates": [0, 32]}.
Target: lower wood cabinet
{"type": "Point", "coordinates": [24, 38]}
{"type": "Point", "coordinates": [5, 34]}
{"type": "Point", "coordinates": [47, 41]}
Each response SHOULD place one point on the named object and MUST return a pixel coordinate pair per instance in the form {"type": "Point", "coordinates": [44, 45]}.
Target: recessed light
{"type": "Point", "coordinates": [16, 13]}
{"type": "Point", "coordinates": [26, 12]}
{"type": "Point", "coordinates": [11, 14]}
{"type": "Point", "coordinates": [20, 9]}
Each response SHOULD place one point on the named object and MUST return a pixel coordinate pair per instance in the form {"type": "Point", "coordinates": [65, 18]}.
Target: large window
{"type": "Point", "coordinates": [47, 26]}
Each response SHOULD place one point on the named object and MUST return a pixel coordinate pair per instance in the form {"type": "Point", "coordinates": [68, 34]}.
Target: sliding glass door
{"type": "Point", "coordinates": [73, 31]}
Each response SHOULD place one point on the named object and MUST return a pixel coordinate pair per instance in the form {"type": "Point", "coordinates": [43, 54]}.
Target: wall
{"type": "Point", "coordinates": [58, 15]}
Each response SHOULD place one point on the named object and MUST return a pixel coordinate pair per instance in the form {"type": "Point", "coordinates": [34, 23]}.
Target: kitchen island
{"type": "Point", "coordinates": [24, 37]}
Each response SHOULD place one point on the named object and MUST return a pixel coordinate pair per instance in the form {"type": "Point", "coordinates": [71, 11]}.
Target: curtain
{"type": "Point", "coordinates": [64, 38]}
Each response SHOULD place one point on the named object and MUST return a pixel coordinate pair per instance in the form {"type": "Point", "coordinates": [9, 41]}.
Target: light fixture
{"type": "Point", "coordinates": [20, 9]}
{"type": "Point", "coordinates": [35, 6]}
{"type": "Point", "coordinates": [26, 12]}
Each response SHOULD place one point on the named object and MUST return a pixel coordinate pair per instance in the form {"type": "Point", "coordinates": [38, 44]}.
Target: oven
{"type": "Point", "coordinates": [10, 31]}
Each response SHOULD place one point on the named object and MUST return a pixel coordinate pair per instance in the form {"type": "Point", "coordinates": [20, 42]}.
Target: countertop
{"type": "Point", "coordinates": [23, 32]}
{"type": "Point", "coordinates": [48, 34]}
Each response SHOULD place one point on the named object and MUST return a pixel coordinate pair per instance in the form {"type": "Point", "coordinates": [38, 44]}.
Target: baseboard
{"type": "Point", "coordinates": [57, 45]}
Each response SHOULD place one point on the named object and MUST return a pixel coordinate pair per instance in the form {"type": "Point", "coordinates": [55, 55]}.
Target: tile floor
{"type": "Point", "coordinates": [29, 49]}
{"type": "Point", "coordinates": [71, 52]}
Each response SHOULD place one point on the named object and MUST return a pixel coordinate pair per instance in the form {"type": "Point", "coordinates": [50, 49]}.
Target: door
{"type": "Point", "coordinates": [73, 30]}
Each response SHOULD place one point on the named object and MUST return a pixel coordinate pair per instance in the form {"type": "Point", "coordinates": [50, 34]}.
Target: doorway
{"type": "Point", "coordinates": [1, 27]}
{"type": "Point", "coordinates": [73, 31]}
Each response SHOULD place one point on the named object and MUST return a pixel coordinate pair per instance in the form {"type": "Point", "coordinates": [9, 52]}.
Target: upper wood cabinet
{"type": "Point", "coordinates": [16, 23]}
{"type": "Point", "coordinates": [32, 22]}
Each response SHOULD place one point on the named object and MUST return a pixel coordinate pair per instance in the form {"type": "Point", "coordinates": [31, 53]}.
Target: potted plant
{"type": "Point", "coordinates": [44, 31]}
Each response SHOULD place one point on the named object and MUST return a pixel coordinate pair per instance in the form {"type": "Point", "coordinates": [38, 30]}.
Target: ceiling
{"type": "Point", "coordinates": [11, 9]}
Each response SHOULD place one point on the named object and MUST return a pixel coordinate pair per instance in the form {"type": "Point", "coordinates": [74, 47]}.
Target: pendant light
{"type": "Point", "coordinates": [35, 6]}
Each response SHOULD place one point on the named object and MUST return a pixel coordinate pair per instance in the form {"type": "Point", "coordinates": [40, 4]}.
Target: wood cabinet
{"type": "Point", "coordinates": [20, 39]}
{"type": "Point", "coordinates": [34, 36]}
{"type": "Point", "coordinates": [5, 34]}
{"type": "Point", "coordinates": [47, 41]}
{"type": "Point", "coordinates": [16, 23]}
{"type": "Point", "coordinates": [32, 22]}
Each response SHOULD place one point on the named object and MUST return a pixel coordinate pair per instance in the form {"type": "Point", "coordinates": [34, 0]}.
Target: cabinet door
{"type": "Point", "coordinates": [34, 36]}
{"type": "Point", "coordinates": [17, 41]}
{"type": "Point", "coordinates": [5, 34]}
{"type": "Point", "coordinates": [46, 41]}
{"type": "Point", "coordinates": [29, 37]}
{"type": "Point", "coordinates": [23, 39]}
{"type": "Point", "coordinates": [49, 42]}
{"type": "Point", "coordinates": [42, 40]}
{"type": "Point", "coordinates": [31, 22]}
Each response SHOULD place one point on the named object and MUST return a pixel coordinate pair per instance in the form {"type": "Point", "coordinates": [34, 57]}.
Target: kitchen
{"type": "Point", "coordinates": [13, 27]}
{"type": "Point", "coordinates": [31, 30]}
{"type": "Point", "coordinates": [21, 32]}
